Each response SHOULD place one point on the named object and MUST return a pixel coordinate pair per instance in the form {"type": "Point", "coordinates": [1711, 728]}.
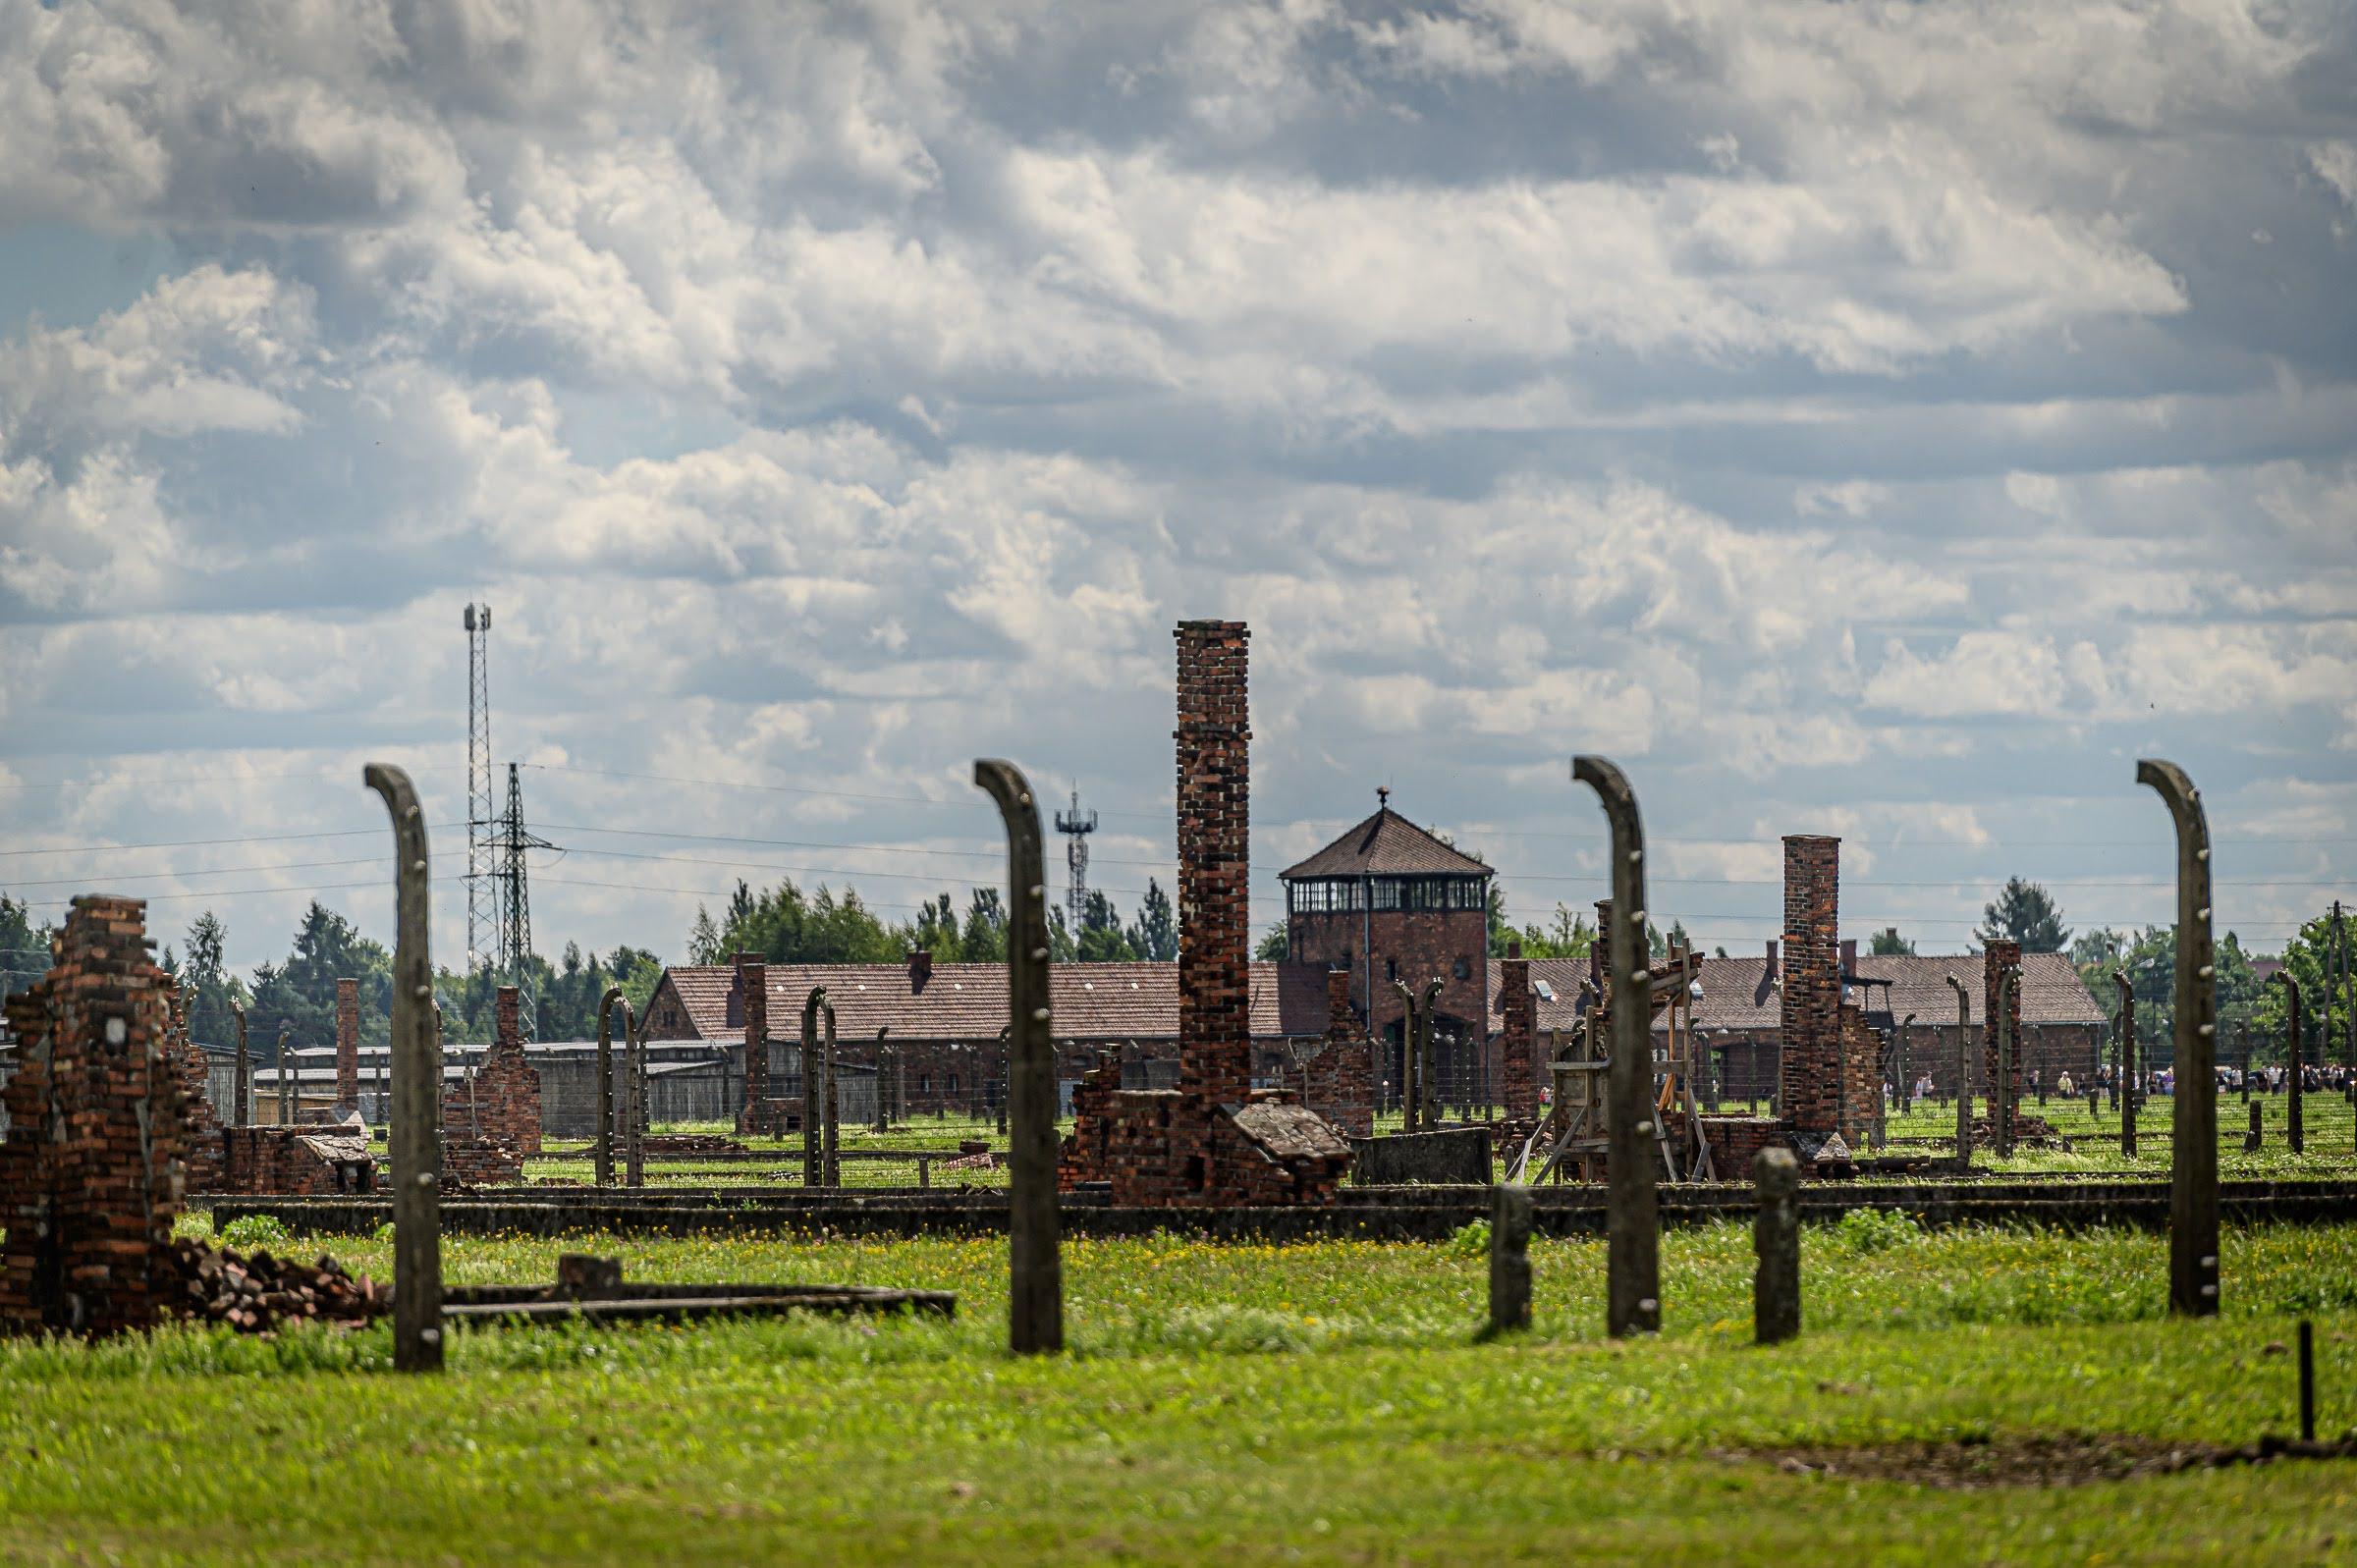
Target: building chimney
{"type": "Point", "coordinates": [1810, 1015]}
{"type": "Point", "coordinates": [752, 982]}
{"type": "Point", "coordinates": [1517, 1045]}
{"type": "Point", "coordinates": [920, 967]}
{"type": "Point", "coordinates": [507, 1022]}
{"type": "Point", "coordinates": [1773, 973]}
{"type": "Point", "coordinates": [348, 1045]}
{"type": "Point", "coordinates": [1850, 957]}
{"type": "Point", "coordinates": [1214, 837]}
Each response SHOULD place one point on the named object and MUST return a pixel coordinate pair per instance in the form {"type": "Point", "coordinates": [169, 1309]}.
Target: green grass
{"type": "Point", "coordinates": [1239, 1404]}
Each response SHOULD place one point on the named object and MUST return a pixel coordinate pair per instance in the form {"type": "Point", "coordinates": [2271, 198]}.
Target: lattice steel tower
{"type": "Point", "coordinates": [483, 944]}
{"type": "Point", "coordinates": [1076, 828]}
{"type": "Point", "coordinates": [516, 902]}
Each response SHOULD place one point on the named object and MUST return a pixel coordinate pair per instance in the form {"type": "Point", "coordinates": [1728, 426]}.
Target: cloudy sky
{"type": "Point", "coordinates": [1879, 419]}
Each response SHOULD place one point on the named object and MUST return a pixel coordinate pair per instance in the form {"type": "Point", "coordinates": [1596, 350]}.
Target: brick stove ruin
{"type": "Point", "coordinates": [1829, 1072]}
{"type": "Point", "coordinates": [90, 1171]}
{"type": "Point", "coordinates": [1212, 1141]}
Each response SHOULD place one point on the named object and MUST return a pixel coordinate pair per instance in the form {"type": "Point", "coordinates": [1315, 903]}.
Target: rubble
{"type": "Point", "coordinates": [257, 1293]}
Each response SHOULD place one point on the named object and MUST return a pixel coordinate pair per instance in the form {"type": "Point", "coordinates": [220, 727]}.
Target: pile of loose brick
{"type": "Point", "coordinates": [257, 1293]}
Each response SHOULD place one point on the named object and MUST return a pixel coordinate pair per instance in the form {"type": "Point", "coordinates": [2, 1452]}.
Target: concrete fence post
{"type": "Point", "coordinates": [830, 1109]}
{"type": "Point", "coordinates": [2001, 1109]}
{"type": "Point", "coordinates": [1632, 1218]}
{"type": "Point", "coordinates": [1963, 1074]}
{"type": "Point", "coordinates": [603, 1149]}
{"type": "Point", "coordinates": [1509, 1259]}
{"type": "Point", "coordinates": [2256, 1138]}
{"type": "Point", "coordinates": [813, 1150]}
{"type": "Point", "coordinates": [1035, 1283]}
{"type": "Point", "coordinates": [415, 1149]}
{"type": "Point", "coordinates": [2193, 1283]}
{"type": "Point", "coordinates": [2294, 1064]}
{"type": "Point", "coordinates": [2126, 1083]}
{"type": "Point", "coordinates": [1776, 1245]}
{"type": "Point", "coordinates": [633, 1116]}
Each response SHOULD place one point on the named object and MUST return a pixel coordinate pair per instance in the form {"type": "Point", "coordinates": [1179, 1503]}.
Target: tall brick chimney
{"type": "Point", "coordinates": [1998, 957]}
{"type": "Point", "coordinates": [1518, 1048]}
{"type": "Point", "coordinates": [348, 1045]}
{"type": "Point", "coordinates": [1214, 757]}
{"type": "Point", "coordinates": [507, 1029]}
{"type": "Point", "coordinates": [1810, 1018]}
{"type": "Point", "coordinates": [752, 983]}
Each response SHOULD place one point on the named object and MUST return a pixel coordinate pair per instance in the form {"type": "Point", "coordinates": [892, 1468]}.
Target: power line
{"type": "Point", "coordinates": [204, 843]}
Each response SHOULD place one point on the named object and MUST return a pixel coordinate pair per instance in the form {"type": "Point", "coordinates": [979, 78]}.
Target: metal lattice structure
{"type": "Point", "coordinates": [513, 881]}
{"type": "Point", "coordinates": [483, 944]}
{"type": "Point", "coordinates": [1075, 825]}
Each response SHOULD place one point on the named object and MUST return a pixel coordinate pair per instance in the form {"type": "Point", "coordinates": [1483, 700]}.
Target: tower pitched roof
{"type": "Point", "coordinates": [1387, 845]}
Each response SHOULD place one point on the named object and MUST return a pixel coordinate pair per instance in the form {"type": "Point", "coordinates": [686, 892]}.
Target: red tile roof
{"type": "Point", "coordinates": [1735, 994]}
{"type": "Point", "coordinates": [1387, 845]}
{"type": "Point", "coordinates": [1108, 1001]}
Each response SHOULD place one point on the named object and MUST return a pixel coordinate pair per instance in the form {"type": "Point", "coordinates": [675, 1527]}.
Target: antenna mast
{"type": "Point", "coordinates": [483, 944]}
{"type": "Point", "coordinates": [1076, 827]}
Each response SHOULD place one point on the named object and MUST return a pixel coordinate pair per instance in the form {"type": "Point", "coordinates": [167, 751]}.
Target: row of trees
{"type": "Point", "coordinates": [297, 992]}
{"type": "Point", "coordinates": [786, 925]}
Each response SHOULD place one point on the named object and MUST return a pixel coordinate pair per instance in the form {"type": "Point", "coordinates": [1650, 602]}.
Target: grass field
{"type": "Point", "coordinates": [1247, 1404]}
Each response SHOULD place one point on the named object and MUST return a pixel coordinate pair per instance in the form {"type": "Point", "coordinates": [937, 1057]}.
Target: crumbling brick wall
{"type": "Point", "coordinates": [1081, 1157]}
{"type": "Point", "coordinates": [202, 1129]}
{"type": "Point", "coordinates": [1734, 1141]}
{"type": "Point", "coordinates": [91, 1174]}
{"type": "Point", "coordinates": [1339, 1081]}
{"type": "Point", "coordinates": [296, 1163]}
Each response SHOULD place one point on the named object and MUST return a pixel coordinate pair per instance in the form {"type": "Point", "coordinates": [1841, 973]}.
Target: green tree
{"type": "Point", "coordinates": [1154, 933]}
{"type": "Point", "coordinates": [2308, 957]}
{"type": "Point", "coordinates": [1273, 947]}
{"type": "Point", "coordinates": [208, 990]}
{"type": "Point", "coordinates": [983, 939]}
{"type": "Point", "coordinates": [1100, 939]}
{"type": "Point", "coordinates": [2026, 913]}
{"type": "Point", "coordinates": [301, 992]}
{"type": "Point", "coordinates": [1889, 944]}
{"type": "Point", "coordinates": [704, 939]}
{"type": "Point", "coordinates": [1567, 934]}
{"type": "Point", "coordinates": [24, 945]}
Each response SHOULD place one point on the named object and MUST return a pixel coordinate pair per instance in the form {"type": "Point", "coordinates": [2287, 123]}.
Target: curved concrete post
{"type": "Point", "coordinates": [811, 1174]}
{"type": "Point", "coordinates": [1963, 1074]}
{"type": "Point", "coordinates": [2127, 1070]}
{"type": "Point", "coordinates": [286, 1091]}
{"type": "Point", "coordinates": [416, 1139]}
{"type": "Point", "coordinates": [634, 1112]}
{"type": "Point", "coordinates": [1411, 1032]}
{"type": "Point", "coordinates": [2295, 1131]}
{"type": "Point", "coordinates": [240, 1100]}
{"type": "Point", "coordinates": [2193, 1156]}
{"type": "Point", "coordinates": [603, 1149]}
{"type": "Point", "coordinates": [829, 1110]}
{"type": "Point", "coordinates": [1633, 1281]}
{"type": "Point", "coordinates": [883, 1057]}
{"type": "Point", "coordinates": [2009, 987]}
{"type": "Point", "coordinates": [1035, 1293]}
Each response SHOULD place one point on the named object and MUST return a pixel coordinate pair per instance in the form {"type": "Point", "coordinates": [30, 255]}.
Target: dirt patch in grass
{"type": "Point", "coordinates": [2069, 1460]}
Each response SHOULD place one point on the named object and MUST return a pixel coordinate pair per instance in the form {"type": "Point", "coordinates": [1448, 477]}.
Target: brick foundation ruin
{"type": "Point", "coordinates": [319, 1162]}
{"type": "Point", "coordinates": [91, 1173]}
{"type": "Point", "coordinates": [203, 1128]}
{"type": "Point", "coordinates": [1211, 1140]}
{"type": "Point", "coordinates": [758, 1113]}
